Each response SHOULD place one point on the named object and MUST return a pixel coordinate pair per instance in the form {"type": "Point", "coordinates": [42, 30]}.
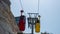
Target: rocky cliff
{"type": "Point", "coordinates": [7, 20]}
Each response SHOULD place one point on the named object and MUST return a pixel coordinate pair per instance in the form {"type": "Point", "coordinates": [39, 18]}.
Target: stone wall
{"type": "Point", "coordinates": [7, 20]}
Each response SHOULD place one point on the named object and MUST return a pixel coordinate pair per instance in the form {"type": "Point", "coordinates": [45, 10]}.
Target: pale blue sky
{"type": "Point", "coordinates": [49, 11]}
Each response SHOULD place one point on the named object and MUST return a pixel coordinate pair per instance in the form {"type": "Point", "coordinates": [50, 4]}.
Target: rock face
{"type": "Point", "coordinates": [7, 20]}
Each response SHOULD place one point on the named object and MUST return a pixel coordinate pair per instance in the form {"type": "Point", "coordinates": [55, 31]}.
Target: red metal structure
{"type": "Point", "coordinates": [22, 22]}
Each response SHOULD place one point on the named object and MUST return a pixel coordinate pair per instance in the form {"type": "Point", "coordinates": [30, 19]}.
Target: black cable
{"type": "Point", "coordinates": [38, 5]}
{"type": "Point", "coordinates": [21, 4]}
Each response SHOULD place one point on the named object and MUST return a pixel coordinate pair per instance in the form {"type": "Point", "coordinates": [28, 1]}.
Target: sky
{"type": "Point", "coordinates": [48, 9]}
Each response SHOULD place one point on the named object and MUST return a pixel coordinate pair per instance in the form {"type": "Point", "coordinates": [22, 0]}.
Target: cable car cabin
{"type": "Point", "coordinates": [22, 22]}
{"type": "Point", "coordinates": [37, 26]}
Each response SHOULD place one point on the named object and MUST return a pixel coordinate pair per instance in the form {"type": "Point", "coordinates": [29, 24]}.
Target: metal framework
{"type": "Point", "coordinates": [32, 20]}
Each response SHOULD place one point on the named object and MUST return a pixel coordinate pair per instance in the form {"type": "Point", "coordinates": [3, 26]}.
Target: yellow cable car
{"type": "Point", "coordinates": [37, 26]}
